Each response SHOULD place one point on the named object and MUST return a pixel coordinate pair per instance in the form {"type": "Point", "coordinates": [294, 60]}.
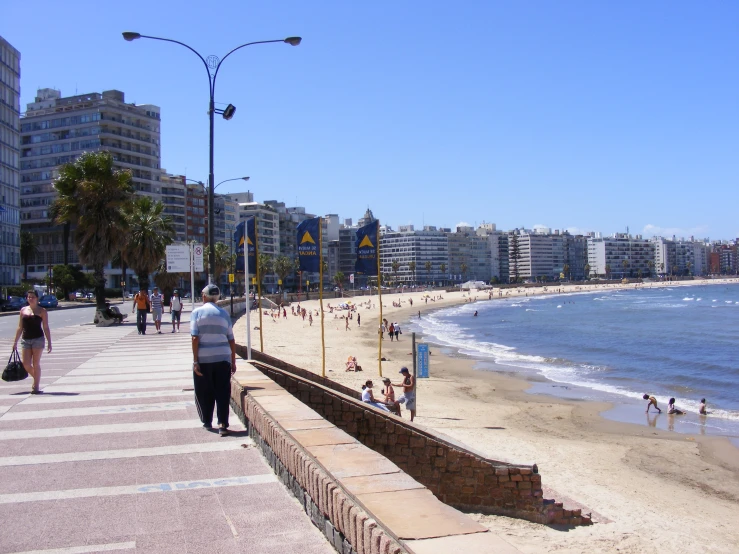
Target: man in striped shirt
{"type": "Point", "coordinates": [157, 307]}
{"type": "Point", "coordinates": [214, 359]}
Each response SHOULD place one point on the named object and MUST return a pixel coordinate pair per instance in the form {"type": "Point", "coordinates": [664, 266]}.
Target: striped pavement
{"type": "Point", "coordinates": [112, 457]}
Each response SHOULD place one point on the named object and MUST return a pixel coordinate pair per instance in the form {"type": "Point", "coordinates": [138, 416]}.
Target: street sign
{"type": "Point", "coordinates": [230, 277]}
{"type": "Point", "coordinates": [198, 255]}
{"type": "Point", "coordinates": [422, 353]}
{"type": "Point", "coordinates": [178, 258]}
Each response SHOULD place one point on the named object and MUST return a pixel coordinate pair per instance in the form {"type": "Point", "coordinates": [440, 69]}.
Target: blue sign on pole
{"type": "Point", "coordinates": [422, 352]}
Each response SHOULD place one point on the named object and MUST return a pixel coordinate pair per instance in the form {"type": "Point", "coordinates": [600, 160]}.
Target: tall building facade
{"type": "Point", "coordinates": [412, 249]}
{"type": "Point", "coordinates": [174, 198]}
{"type": "Point", "coordinates": [56, 130]}
{"type": "Point", "coordinates": [620, 256]}
{"type": "Point", "coordinates": [10, 91]}
{"type": "Point", "coordinates": [470, 257]}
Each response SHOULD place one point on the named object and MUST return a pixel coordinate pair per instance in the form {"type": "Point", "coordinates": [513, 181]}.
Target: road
{"type": "Point", "coordinates": [60, 317]}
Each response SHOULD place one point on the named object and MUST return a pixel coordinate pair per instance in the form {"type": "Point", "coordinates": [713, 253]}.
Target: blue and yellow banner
{"type": "Point", "coordinates": [367, 251]}
{"type": "Point", "coordinates": [245, 239]}
{"type": "Point", "coordinates": [309, 245]}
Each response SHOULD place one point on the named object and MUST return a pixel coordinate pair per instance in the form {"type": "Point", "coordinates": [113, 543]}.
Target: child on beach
{"type": "Point", "coordinates": [652, 402]}
{"type": "Point", "coordinates": [702, 407]}
{"type": "Point", "coordinates": [671, 409]}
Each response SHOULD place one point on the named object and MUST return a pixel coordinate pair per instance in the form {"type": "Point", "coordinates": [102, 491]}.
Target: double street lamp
{"type": "Point", "coordinates": [212, 65]}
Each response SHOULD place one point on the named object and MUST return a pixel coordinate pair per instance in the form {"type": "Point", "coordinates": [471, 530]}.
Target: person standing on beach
{"type": "Point", "coordinates": [409, 391]}
{"type": "Point", "coordinates": [214, 359]}
{"type": "Point", "coordinates": [359, 319]}
{"type": "Point", "coordinates": [157, 307]}
{"type": "Point", "coordinates": [702, 407]}
{"type": "Point", "coordinates": [175, 308]}
{"type": "Point", "coordinates": [33, 324]}
{"type": "Point", "coordinates": [652, 402]}
{"type": "Point", "coordinates": [396, 330]}
{"type": "Point", "coordinates": [346, 325]}
{"type": "Point", "coordinates": [141, 305]}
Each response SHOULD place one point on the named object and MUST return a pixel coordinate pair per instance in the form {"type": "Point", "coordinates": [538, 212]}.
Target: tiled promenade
{"type": "Point", "coordinates": [112, 457]}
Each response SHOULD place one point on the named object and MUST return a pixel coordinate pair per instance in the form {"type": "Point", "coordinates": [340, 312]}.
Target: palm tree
{"type": "Point", "coordinates": [688, 265]}
{"type": "Point", "coordinates": [587, 271]}
{"type": "Point", "coordinates": [149, 233]}
{"type": "Point", "coordinates": [463, 269]}
{"type": "Point", "coordinates": [427, 266]}
{"type": "Point", "coordinates": [608, 271]}
{"type": "Point", "coordinates": [442, 268]}
{"type": "Point", "coordinates": [283, 268]}
{"type": "Point", "coordinates": [650, 265]}
{"type": "Point", "coordinates": [566, 270]}
{"type": "Point", "coordinates": [339, 280]}
{"type": "Point", "coordinates": [29, 249]}
{"type": "Point", "coordinates": [265, 266]}
{"type": "Point", "coordinates": [638, 273]}
{"type": "Point", "coordinates": [412, 269]}
{"type": "Point", "coordinates": [625, 264]}
{"type": "Point", "coordinates": [92, 195]}
{"type": "Point", "coordinates": [395, 264]}
{"type": "Point", "coordinates": [223, 259]}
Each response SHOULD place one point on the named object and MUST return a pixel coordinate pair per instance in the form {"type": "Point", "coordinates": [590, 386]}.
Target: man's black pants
{"type": "Point", "coordinates": [213, 389]}
{"type": "Point", "coordinates": [141, 320]}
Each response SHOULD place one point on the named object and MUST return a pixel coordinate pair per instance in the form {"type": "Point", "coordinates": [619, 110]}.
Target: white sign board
{"type": "Point", "coordinates": [178, 258]}
{"type": "Point", "coordinates": [351, 278]}
{"type": "Point", "coordinates": [198, 256]}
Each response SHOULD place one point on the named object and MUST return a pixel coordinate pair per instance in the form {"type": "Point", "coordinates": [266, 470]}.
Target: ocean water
{"type": "Point", "coordinates": [615, 346]}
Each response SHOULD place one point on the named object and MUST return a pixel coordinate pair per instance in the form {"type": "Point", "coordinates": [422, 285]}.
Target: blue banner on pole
{"type": "Point", "coordinates": [239, 234]}
{"type": "Point", "coordinates": [367, 238]}
{"type": "Point", "coordinates": [309, 238]}
{"type": "Point", "coordinates": [422, 353]}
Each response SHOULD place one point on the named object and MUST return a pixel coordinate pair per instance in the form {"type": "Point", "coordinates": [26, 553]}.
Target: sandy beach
{"type": "Point", "coordinates": [647, 488]}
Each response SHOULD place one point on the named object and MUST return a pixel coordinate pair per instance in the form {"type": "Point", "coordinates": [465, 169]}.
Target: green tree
{"type": "Point", "coordinates": [92, 195]}
{"type": "Point", "coordinates": [28, 250]}
{"type": "Point", "coordinates": [69, 278]}
{"type": "Point", "coordinates": [566, 271]}
{"type": "Point", "coordinates": [638, 273]}
{"type": "Point", "coordinates": [608, 271]}
{"type": "Point", "coordinates": [463, 270]}
{"type": "Point", "coordinates": [223, 259]}
{"type": "Point", "coordinates": [149, 233]}
{"type": "Point", "coordinates": [283, 268]}
{"type": "Point", "coordinates": [625, 264]}
{"type": "Point", "coordinates": [688, 265]}
{"type": "Point", "coordinates": [650, 265]}
{"type": "Point", "coordinates": [339, 280]}
{"type": "Point", "coordinates": [265, 266]}
{"type": "Point", "coordinates": [442, 268]}
{"type": "Point", "coordinates": [396, 267]}
{"type": "Point", "coordinates": [514, 255]}
{"type": "Point", "coordinates": [412, 269]}
{"type": "Point", "coordinates": [427, 267]}
{"type": "Point", "coordinates": [587, 271]}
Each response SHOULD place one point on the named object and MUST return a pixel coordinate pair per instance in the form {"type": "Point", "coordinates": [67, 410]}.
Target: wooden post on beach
{"type": "Point", "coordinates": [320, 294]}
{"type": "Point", "coordinates": [379, 292]}
{"type": "Point", "coordinates": [415, 374]}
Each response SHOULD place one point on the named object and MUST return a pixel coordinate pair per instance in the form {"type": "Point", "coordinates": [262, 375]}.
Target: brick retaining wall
{"type": "Point", "coordinates": [455, 475]}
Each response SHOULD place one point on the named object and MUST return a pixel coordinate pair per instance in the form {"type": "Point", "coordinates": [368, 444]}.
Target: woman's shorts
{"type": "Point", "coordinates": [33, 344]}
{"type": "Point", "coordinates": [176, 316]}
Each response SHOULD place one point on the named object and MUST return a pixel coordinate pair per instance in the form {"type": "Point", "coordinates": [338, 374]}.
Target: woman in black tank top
{"type": "Point", "coordinates": [32, 326]}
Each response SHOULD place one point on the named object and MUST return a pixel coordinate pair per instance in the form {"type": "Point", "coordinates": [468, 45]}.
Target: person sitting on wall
{"type": "Point", "coordinates": [389, 393]}
{"type": "Point", "coordinates": [369, 398]}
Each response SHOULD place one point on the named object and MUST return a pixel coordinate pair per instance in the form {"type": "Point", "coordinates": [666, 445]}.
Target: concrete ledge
{"type": "Point", "coordinates": [455, 474]}
{"type": "Point", "coordinates": [360, 500]}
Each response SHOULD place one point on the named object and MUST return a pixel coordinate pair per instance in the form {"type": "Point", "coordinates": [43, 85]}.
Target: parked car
{"type": "Point", "coordinates": [14, 304]}
{"type": "Point", "coordinates": [48, 301]}
{"type": "Point", "coordinates": [79, 295]}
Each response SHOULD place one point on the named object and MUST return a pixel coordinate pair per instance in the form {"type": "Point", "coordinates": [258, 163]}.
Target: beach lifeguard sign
{"type": "Point", "coordinates": [422, 356]}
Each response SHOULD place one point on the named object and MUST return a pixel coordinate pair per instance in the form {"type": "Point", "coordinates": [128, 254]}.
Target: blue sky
{"type": "Point", "coordinates": [571, 114]}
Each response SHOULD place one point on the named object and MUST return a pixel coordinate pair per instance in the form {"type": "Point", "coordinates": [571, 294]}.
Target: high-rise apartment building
{"type": "Point", "coordinates": [497, 244]}
{"type": "Point", "coordinates": [620, 256]}
{"type": "Point", "coordinates": [174, 198]}
{"type": "Point", "coordinates": [10, 91]}
{"type": "Point", "coordinates": [412, 249]}
{"type": "Point", "coordinates": [470, 257]}
{"type": "Point", "coordinates": [56, 130]}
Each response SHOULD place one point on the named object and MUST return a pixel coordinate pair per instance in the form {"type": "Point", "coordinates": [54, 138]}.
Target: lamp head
{"type": "Point", "coordinates": [292, 41]}
{"type": "Point", "coordinates": [229, 112]}
{"type": "Point", "coordinates": [129, 36]}
{"type": "Point", "coordinates": [245, 178]}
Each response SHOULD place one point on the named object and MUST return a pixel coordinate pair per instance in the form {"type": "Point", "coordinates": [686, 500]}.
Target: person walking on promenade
{"type": "Point", "coordinates": [214, 359]}
{"type": "Point", "coordinates": [175, 308]}
{"type": "Point", "coordinates": [409, 391]}
{"type": "Point", "coordinates": [141, 305]}
{"type": "Point", "coordinates": [33, 324]}
{"type": "Point", "coordinates": [157, 307]}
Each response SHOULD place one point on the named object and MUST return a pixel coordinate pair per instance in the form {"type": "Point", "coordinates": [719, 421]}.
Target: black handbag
{"type": "Point", "coordinates": [14, 371]}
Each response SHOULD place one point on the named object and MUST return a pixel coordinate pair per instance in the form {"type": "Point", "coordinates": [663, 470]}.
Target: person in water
{"type": "Point", "coordinates": [652, 402]}
{"type": "Point", "coordinates": [671, 409]}
{"type": "Point", "coordinates": [702, 407]}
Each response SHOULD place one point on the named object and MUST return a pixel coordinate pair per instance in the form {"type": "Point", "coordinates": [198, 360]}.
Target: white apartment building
{"type": "Point", "coordinates": [10, 224]}
{"type": "Point", "coordinates": [620, 256]}
{"type": "Point", "coordinates": [470, 256]}
{"type": "Point", "coordinates": [680, 257]}
{"type": "Point", "coordinates": [410, 246]}
{"type": "Point", "coordinates": [497, 244]}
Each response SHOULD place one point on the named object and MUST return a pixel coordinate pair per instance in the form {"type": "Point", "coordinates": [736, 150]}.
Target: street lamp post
{"type": "Point", "coordinates": [212, 63]}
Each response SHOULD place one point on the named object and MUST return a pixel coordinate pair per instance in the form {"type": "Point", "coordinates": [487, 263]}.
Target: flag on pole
{"type": "Point", "coordinates": [309, 239]}
{"type": "Point", "coordinates": [367, 251]}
